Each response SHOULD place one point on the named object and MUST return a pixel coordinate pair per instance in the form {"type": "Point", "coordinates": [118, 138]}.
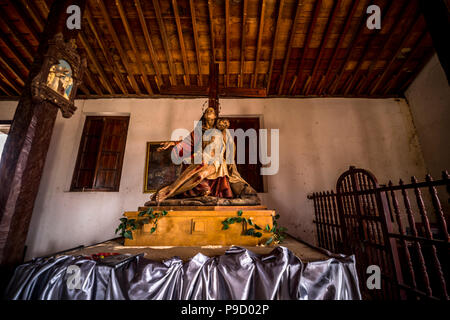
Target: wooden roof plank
{"type": "Point", "coordinates": [275, 41]}
{"type": "Point", "coordinates": [387, 68]}
{"type": "Point", "coordinates": [182, 45]}
{"type": "Point", "coordinates": [325, 39]}
{"type": "Point", "coordinates": [17, 36]}
{"type": "Point", "coordinates": [289, 48]}
{"type": "Point", "coordinates": [211, 29]}
{"type": "Point", "coordinates": [258, 43]}
{"type": "Point", "coordinates": [120, 81]}
{"type": "Point", "coordinates": [148, 41]}
{"type": "Point", "coordinates": [370, 45]}
{"type": "Point", "coordinates": [165, 42]}
{"type": "Point", "coordinates": [243, 35]}
{"type": "Point", "coordinates": [137, 52]}
{"type": "Point", "coordinates": [309, 34]}
{"type": "Point", "coordinates": [196, 42]}
{"type": "Point", "coordinates": [330, 69]}
{"type": "Point", "coordinates": [227, 43]}
{"type": "Point", "coordinates": [123, 56]}
{"type": "Point", "coordinates": [407, 61]}
{"type": "Point", "coordinates": [375, 62]}
{"type": "Point", "coordinates": [361, 28]}
{"type": "Point", "coordinates": [104, 79]}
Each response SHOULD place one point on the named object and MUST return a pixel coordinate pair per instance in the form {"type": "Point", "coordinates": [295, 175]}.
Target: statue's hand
{"type": "Point", "coordinates": [165, 146]}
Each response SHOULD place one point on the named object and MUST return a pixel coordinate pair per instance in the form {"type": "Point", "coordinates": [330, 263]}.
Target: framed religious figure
{"type": "Point", "coordinates": [159, 168]}
{"type": "Point", "coordinates": [60, 75]}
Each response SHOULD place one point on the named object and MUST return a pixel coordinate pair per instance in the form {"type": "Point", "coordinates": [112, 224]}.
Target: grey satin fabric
{"type": "Point", "coordinates": [239, 274]}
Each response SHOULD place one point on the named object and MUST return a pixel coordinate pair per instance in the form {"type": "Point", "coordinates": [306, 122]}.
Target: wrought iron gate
{"type": "Point", "coordinates": [367, 220]}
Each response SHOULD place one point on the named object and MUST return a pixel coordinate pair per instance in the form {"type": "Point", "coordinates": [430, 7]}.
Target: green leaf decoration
{"type": "Point", "coordinates": [117, 230]}
{"type": "Point", "coordinates": [269, 241]}
{"type": "Point", "coordinates": [142, 213]}
{"type": "Point", "coordinates": [164, 213]}
{"type": "Point", "coordinates": [267, 228]}
{"type": "Point", "coordinates": [258, 234]}
{"type": "Point", "coordinates": [250, 222]}
{"type": "Point", "coordinates": [250, 232]}
{"type": "Point", "coordinates": [257, 227]}
{"type": "Point", "coordinates": [277, 217]}
{"type": "Point", "coordinates": [123, 219]}
{"type": "Point", "coordinates": [153, 230]}
{"type": "Point", "coordinates": [239, 220]}
{"type": "Point", "coordinates": [128, 235]}
{"type": "Point", "coordinates": [239, 213]}
{"type": "Point", "coordinates": [225, 227]}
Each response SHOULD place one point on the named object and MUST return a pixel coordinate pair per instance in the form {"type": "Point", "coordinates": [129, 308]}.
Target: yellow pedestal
{"type": "Point", "coordinates": [201, 226]}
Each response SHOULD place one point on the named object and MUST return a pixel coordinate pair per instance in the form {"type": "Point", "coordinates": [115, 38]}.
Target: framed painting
{"type": "Point", "coordinates": [159, 168]}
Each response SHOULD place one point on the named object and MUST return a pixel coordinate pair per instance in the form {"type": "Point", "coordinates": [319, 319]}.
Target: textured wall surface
{"type": "Point", "coordinates": [429, 100]}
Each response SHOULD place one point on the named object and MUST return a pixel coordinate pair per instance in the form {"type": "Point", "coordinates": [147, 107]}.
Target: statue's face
{"type": "Point", "coordinates": [210, 114]}
{"type": "Point", "coordinates": [223, 124]}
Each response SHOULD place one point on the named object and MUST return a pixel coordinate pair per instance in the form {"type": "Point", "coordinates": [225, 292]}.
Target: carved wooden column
{"type": "Point", "coordinates": [28, 141]}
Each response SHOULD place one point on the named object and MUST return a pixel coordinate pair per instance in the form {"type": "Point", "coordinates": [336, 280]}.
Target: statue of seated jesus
{"type": "Point", "coordinates": [217, 175]}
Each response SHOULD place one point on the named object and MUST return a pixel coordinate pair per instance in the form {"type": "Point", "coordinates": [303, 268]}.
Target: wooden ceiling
{"type": "Point", "coordinates": [154, 48]}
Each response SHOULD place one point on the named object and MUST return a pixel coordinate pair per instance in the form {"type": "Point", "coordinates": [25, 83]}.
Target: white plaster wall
{"type": "Point", "coordinates": [319, 139]}
{"type": "Point", "coordinates": [429, 100]}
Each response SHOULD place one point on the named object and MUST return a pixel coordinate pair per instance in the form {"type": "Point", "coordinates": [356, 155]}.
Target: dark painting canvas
{"type": "Point", "coordinates": [159, 170]}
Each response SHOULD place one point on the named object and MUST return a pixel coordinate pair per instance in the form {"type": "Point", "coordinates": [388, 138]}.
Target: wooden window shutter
{"type": "Point", "coordinates": [100, 156]}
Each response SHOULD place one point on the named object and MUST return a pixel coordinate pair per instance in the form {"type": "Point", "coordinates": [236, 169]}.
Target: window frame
{"type": "Point", "coordinates": [80, 151]}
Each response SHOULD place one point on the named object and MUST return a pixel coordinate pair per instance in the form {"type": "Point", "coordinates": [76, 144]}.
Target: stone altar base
{"type": "Point", "coordinates": [201, 226]}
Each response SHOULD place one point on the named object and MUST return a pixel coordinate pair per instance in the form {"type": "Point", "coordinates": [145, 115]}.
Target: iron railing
{"type": "Point", "coordinates": [400, 228]}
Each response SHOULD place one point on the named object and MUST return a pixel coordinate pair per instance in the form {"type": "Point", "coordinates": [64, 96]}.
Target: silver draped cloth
{"type": "Point", "coordinates": [237, 275]}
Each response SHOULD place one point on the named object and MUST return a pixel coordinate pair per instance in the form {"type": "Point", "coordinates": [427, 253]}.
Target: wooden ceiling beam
{"type": "Point", "coordinates": [258, 43]}
{"type": "Point", "coordinates": [330, 69]}
{"type": "Point", "coordinates": [118, 76]}
{"type": "Point", "coordinates": [375, 62]}
{"type": "Point", "coordinates": [11, 68]}
{"type": "Point", "coordinates": [103, 78]}
{"type": "Point", "coordinates": [89, 80]}
{"type": "Point", "coordinates": [196, 42]}
{"type": "Point", "coordinates": [243, 34]}
{"type": "Point", "coordinates": [85, 90]}
{"type": "Point", "coordinates": [123, 56]}
{"type": "Point", "coordinates": [309, 34]}
{"type": "Point", "coordinates": [289, 48]}
{"type": "Point", "coordinates": [16, 55]}
{"type": "Point", "coordinates": [426, 58]}
{"type": "Point", "coordinates": [9, 26]}
{"type": "Point", "coordinates": [137, 52]}
{"type": "Point", "coordinates": [165, 42]}
{"type": "Point", "coordinates": [211, 28]}
{"type": "Point", "coordinates": [334, 85]}
{"type": "Point", "coordinates": [25, 19]}
{"type": "Point", "coordinates": [370, 45]}
{"type": "Point", "coordinates": [148, 41]}
{"type": "Point", "coordinates": [275, 41]}
{"type": "Point", "coordinates": [9, 82]}
{"type": "Point", "coordinates": [5, 91]}
{"type": "Point", "coordinates": [187, 79]}
{"type": "Point", "coordinates": [325, 38]}
{"type": "Point", "coordinates": [227, 43]}
{"type": "Point", "coordinates": [397, 52]}
{"type": "Point", "coordinates": [34, 14]}
{"type": "Point", "coordinates": [407, 61]}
